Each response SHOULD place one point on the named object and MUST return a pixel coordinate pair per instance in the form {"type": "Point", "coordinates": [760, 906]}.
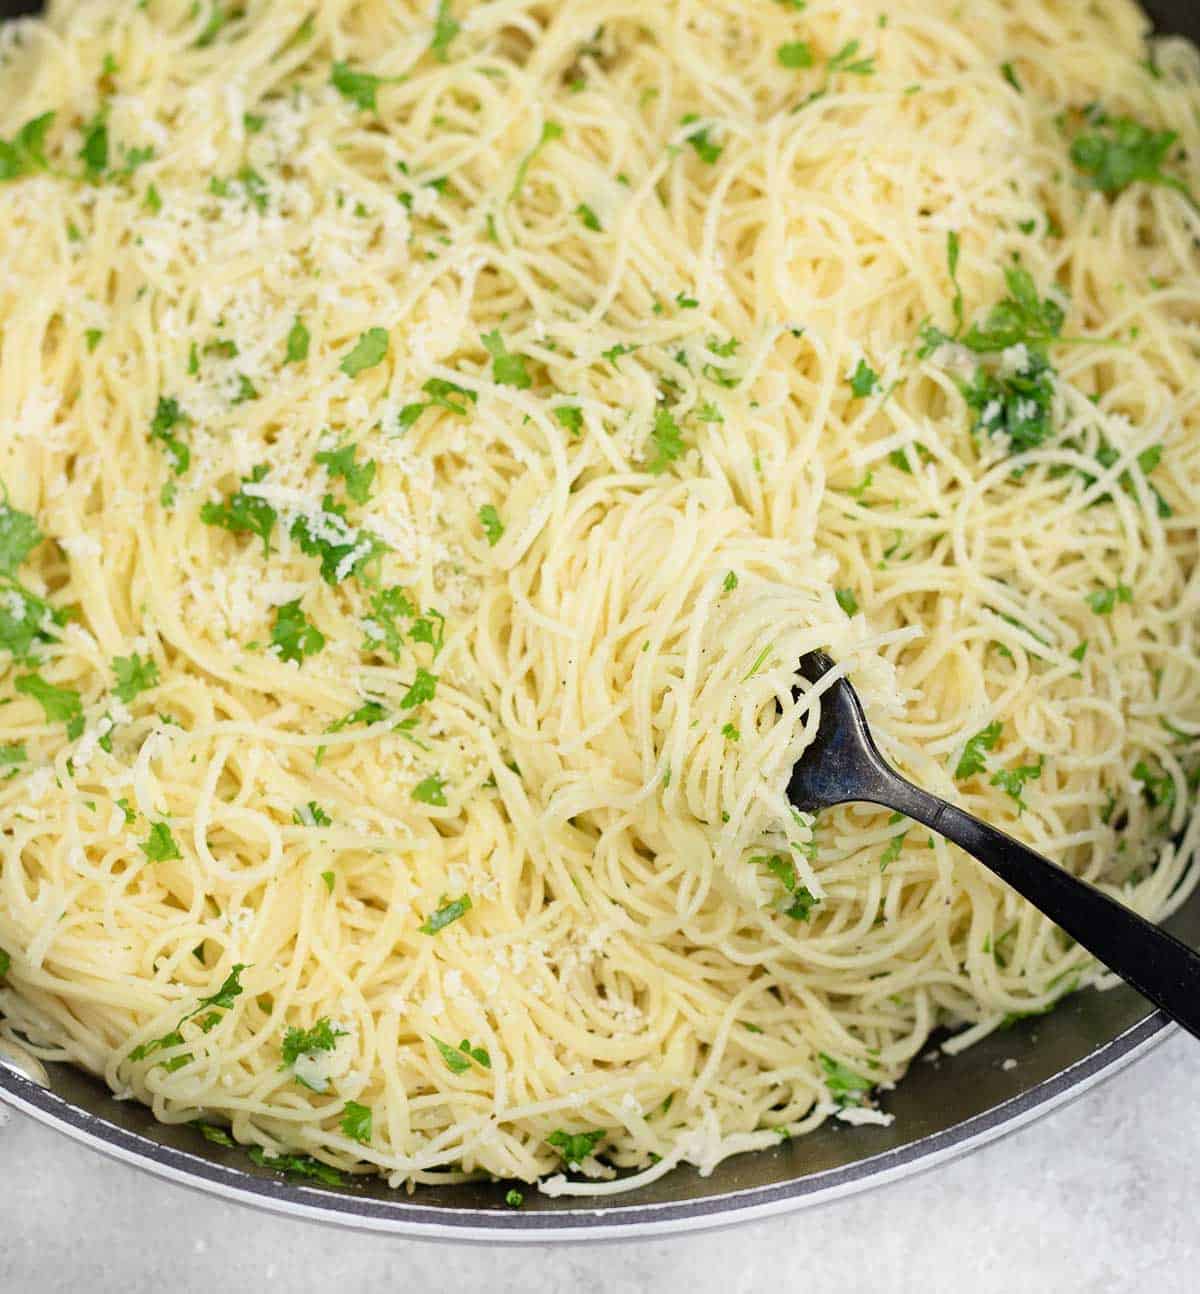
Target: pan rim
{"type": "Point", "coordinates": [616, 1221]}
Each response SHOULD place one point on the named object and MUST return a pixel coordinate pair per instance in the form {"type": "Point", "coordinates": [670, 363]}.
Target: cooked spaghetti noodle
{"type": "Point", "coordinates": [433, 434]}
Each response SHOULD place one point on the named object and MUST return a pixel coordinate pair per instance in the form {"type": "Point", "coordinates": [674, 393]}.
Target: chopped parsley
{"type": "Point", "coordinates": [25, 153]}
{"type": "Point", "coordinates": [297, 342]}
{"type": "Point", "coordinates": [296, 1166]}
{"type": "Point", "coordinates": [797, 900]}
{"type": "Point", "coordinates": [493, 527]}
{"type": "Point", "coordinates": [847, 601]}
{"type": "Point", "coordinates": [730, 582]}
{"type": "Point", "coordinates": [161, 846]}
{"type": "Point", "coordinates": [1015, 405]}
{"type": "Point", "coordinates": [575, 1147]}
{"type": "Point", "coordinates": [706, 150]}
{"type": "Point", "coordinates": [344, 549]}
{"type": "Point", "coordinates": [388, 606]}
{"type": "Point", "coordinates": [1102, 601]}
{"type": "Point", "coordinates": [369, 351]}
{"type": "Point", "coordinates": [94, 153]}
{"type": "Point", "coordinates": [458, 1059]}
{"type": "Point", "coordinates": [1118, 151]}
{"type": "Point", "coordinates": [513, 1199]}
{"type": "Point", "coordinates": [356, 1122]}
{"type": "Point", "coordinates": [667, 441]}
{"type": "Point", "coordinates": [864, 381]}
{"type": "Point", "coordinates": [167, 416]}
{"type": "Point", "coordinates": [731, 733]}
{"type": "Point", "coordinates": [972, 760]}
{"type": "Point", "coordinates": [19, 536]}
{"type": "Point", "coordinates": [892, 852]}
{"type": "Point", "coordinates": [358, 476]}
{"type": "Point", "coordinates": [431, 790]}
{"type": "Point", "coordinates": [569, 416]}
{"type": "Point", "coordinates": [294, 636]}
{"type": "Point", "coordinates": [1022, 317]}
{"type": "Point", "coordinates": [311, 815]}
{"type": "Point", "coordinates": [590, 219]}
{"type": "Point", "coordinates": [439, 392]}
{"type": "Point", "coordinates": [1012, 780]}
{"type": "Point", "coordinates": [550, 131]}
{"type": "Point", "coordinates": [507, 369]}
{"type": "Point", "coordinates": [449, 911]}
{"type": "Point", "coordinates": [221, 1000]}
{"type": "Point", "coordinates": [244, 513]}
{"type": "Point", "coordinates": [846, 60]}
{"type": "Point", "coordinates": [423, 688]}
{"type": "Point", "coordinates": [59, 704]}
{"type": "Point", "coordinates": [796, 53]}
{"type": "Point", "coordinates": [215, 1133]}
{"type": "Point", "coordinates": [11, 755]}
{"type": "Point", "coordinates": [358, 87]}
{"type": "Point", "coordinates": [1158, 788]}
{"type": "Point", "coordinates": [844, 1085]}
{"type": "Point", "coordinates": [323, 1036]}
{"type": "Point", "coordinates": [134, 675]}
{"type": "Point", "coordinates": [445, 28]}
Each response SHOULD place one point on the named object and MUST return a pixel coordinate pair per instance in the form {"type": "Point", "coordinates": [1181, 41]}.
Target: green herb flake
{"type": "Point", "coordinates": [972, 760]}
{"type": "Point", "coordinates": [293, 635]}
{"type": "Point", "coordinates": [344, 550]}
{"type": "Point", "coordinates": [1102, 601]}
{"type": "Point", "coordinates": [892, 852]}
{"type": "Point", "coordinates": [311, 815]}
{"type": "Point", "coordinates": [244, 513]}
{"type": "Point", "coordinates": [297, 342]}
{"type": "Point", "coordinates": [25, 153]}
{"type": "Point", "coordinates": [458, 1059]}
{"type": "Point", "coordinates": [569, 416]}
{"type": "Point", "coordinates": [864, 381]}
{"type": "Point", "coordinates": [845, 1086]}
{"type": "Point", "coordinates": [1118, 151]}
{"type": "Point", "coordinates": [19, 536]}
{"type": "Point", "coordinates": [847, 601]}
{"type": "Point", "coordinates": [368, 352]}
{"type": "Point", "coordinates": [160, 846]}
{"type": "Point", "coordinates": [356, 1122]}
{"type": "Point", "coordinates": [667, 441]}
{"type": "Point", "coordinates": [167, 416]}
{"type": "Point", "coordinates": [297, 1166]}
{"type": "Point", "coordinates": [1012, 780]}
{"type": "Point", "coordinates": [215, 1133]}
{"type": "Point", "coordinates": [796, 53]}
{"type": "Point", "coordinates": [358, 476]}
{"type": "Point", "coordinates": [449, 911]}
{"type": "Point", "coordinates": [507, 369]}
{"type": "Point", "coordinates": [445, 28]}
{"type": "Point", "coordinates": [59, 704]}
{"type": "Point", "coordinates": [575, 1147]}
{"type": "Point", "coordinates": [796, 900]}
{"type": "Point", "coordinates": [133, 676]}
{"type": "Point", "coordinates": [356, 86]}
{"type": "Point", "coordinates": [493, 527]}
{"type": "Point", "coordinates": [550, 131]}
{"type": "Point", "coordinates": [589, 218]}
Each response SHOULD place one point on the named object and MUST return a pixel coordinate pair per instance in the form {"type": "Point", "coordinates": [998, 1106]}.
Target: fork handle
{"type": "Point", "coordinates": [1154, 962]}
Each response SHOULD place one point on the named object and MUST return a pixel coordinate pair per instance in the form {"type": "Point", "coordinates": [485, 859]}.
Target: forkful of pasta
{"type": "Point", "coordinates": [843, 764]}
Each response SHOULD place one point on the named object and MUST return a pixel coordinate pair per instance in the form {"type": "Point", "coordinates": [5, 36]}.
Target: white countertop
{"type": "Point", "coordinates": [1098, 1197]}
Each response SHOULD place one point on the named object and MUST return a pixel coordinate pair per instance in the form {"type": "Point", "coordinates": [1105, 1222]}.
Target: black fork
{"type": "Point", "coordinates": [843, 764]}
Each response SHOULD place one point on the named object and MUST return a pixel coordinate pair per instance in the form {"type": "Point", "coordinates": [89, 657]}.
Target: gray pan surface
{"type": "Point", "coordinates": [943, 1108]}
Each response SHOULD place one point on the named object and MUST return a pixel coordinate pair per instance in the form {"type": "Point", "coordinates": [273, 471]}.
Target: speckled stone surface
{"type": "Point", "coordinates": [1101, 1196]}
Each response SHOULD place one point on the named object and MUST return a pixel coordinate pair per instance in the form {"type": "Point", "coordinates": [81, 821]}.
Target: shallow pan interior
{"type": "Point", "coordinates": [942, 1108]}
